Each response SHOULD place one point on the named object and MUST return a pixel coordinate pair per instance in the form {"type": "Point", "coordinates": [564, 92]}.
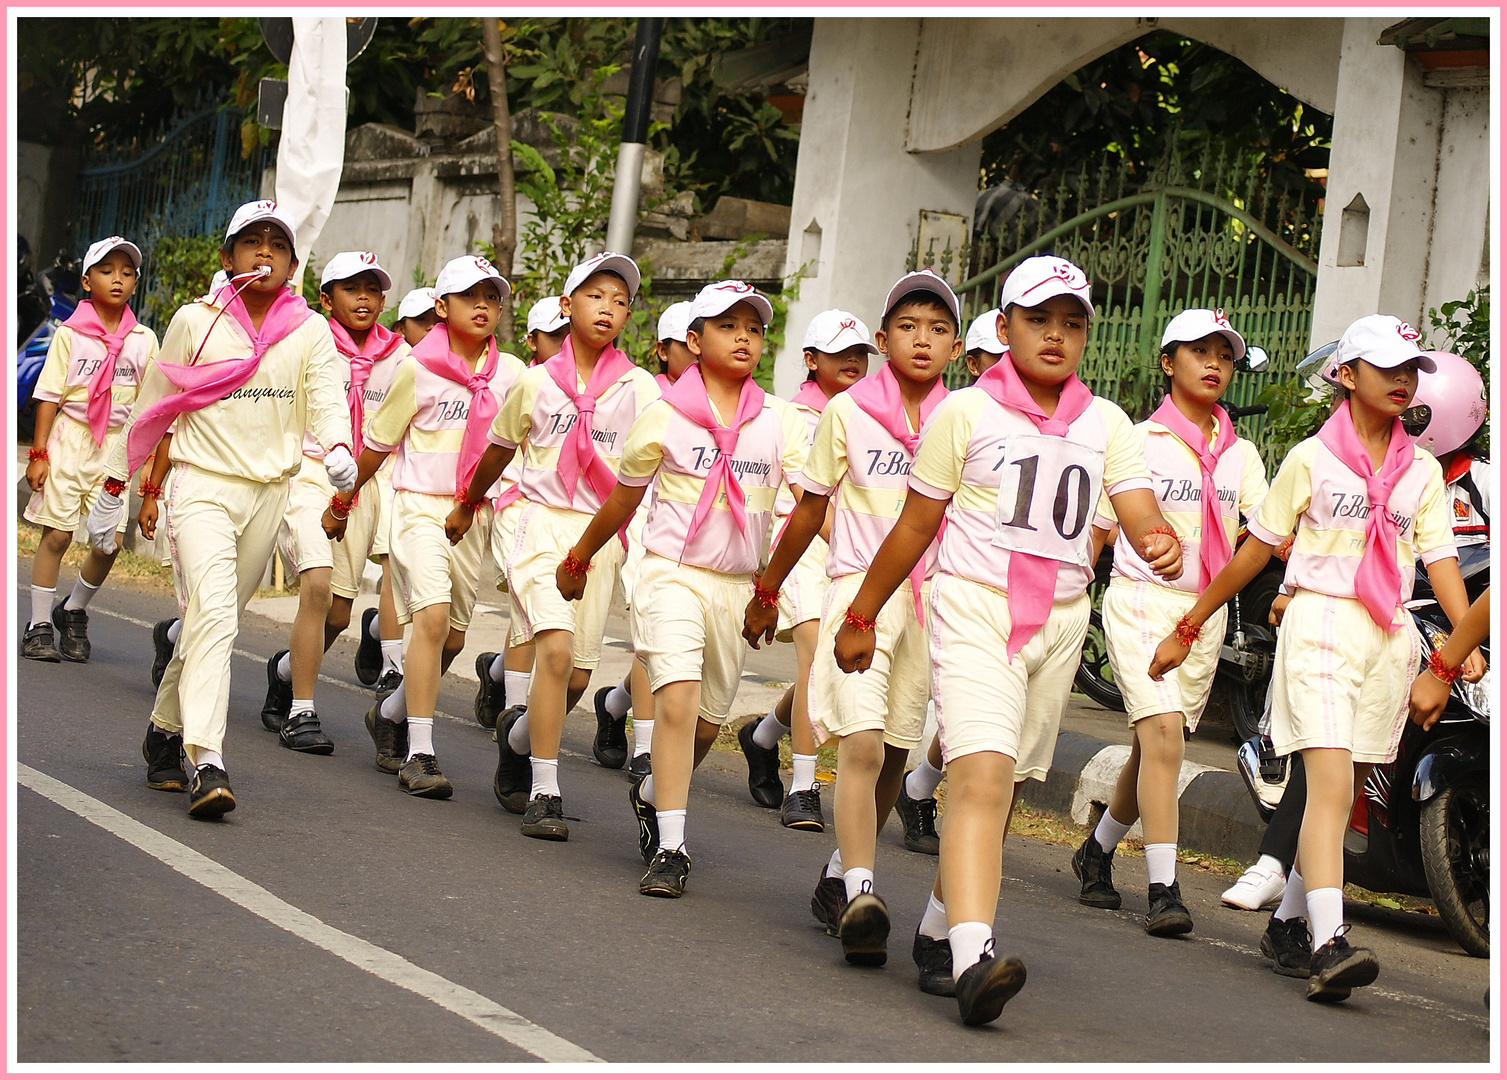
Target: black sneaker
{"type": "Point", "coordinates": [803, 810]}
{"type": "Point", "coordinates": [38, 643]}
{"type": "Point", "coordinates": [387, 684]}
{"type": "Point", "coordinates": [421, 776]}
{"type": "Point", "coordinates": [610, 747]}
{"type": "Point", "coordinates": [639, 766]}
{"type": "Point", "coordinates": [933, 957]}
{"type": "Point", "coordinates": [648, 822]}
{"type": "Point", "coordinates": [666, 875]}
{"type": "Point", "coordinates": [983, 989]}
{"type": "Point", "coordinates": [488, 702]}
{"type": "Point", "coordinates": [209, 794]}
{"type": "Point", "coordinates": [1288, 946]}
{"type": "Point", "coordinates": [864, 930]}
{"type": "Point", "coordinates": [1092, 866]}
{"type": "Point", "coordinates": [162, 649]}
{"type": "Point", "coordinates": [515, 774]}
{"type": "Point", "coordinates": [544, 818]}
{"type": "Point", "coordinates": [764, 782]}
{"type": "Point", "coordinates": [828, 901]}
{"type": "Point", "coordinates": [369, 652]}
{"type": "Point", "coordinates": [164, 757]}
{"type": "Point", "coordinates": [1339, 967]}
{"type": "Point", "coordinates": [1168, 915]}
{"type": "Point", "coordinates": [279, 696]}
{"type": "Point", "coordinates": [303, 733]}
{"type": "Point", "coordinates": [73, 632]}
{"type": "Point", "coordinates": [389, 737]}
{"type": "Point", "coordinates": [919, 816]}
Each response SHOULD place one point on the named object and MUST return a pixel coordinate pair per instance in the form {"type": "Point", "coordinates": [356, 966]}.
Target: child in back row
{"type": "Point", "coordinates": [416, 315]}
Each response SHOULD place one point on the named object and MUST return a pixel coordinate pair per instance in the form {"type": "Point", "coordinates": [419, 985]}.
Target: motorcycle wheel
{"type": "Point", "coordinates": [1094, 676]}
{"type": "Point", "coordinates": [1455, 829]}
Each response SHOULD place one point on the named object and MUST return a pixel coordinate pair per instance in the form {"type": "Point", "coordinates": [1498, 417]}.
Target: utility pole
{"type": "Point", "coordinates": [505, 232]}
{"type": "Point", "coordinates": [630, 152]}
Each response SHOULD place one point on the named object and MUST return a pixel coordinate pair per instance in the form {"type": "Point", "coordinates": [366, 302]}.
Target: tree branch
{"type": "Point", "coordinates": [505, 231]}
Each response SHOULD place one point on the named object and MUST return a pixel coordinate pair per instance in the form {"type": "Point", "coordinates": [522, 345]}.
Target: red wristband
{"type": "Point", "coordinates": [38, 453]}
{"type": "Point", "coordinates": [574, 565]}
{"type": "Point", "coordinates": [149, 488]}
{"type": "Point", "coordinates": [472, 505]}
{"type": "Point", "coordinates": [765, 598]}
{"type": "Point", "coordinates": [1444, 674]}
{"type": "Point", "coordinates": [1164, 530]}
{"type": "Point", "coordinates": [340, 508]}
{"type": "Point", "coordinates": [113, 486]}
{"type": "Point", "coordinates": [347, 446]}
{"type": "Point", "coordinates": [1187, 633]}
{"type": "Point", "coordinates": [859, 622]}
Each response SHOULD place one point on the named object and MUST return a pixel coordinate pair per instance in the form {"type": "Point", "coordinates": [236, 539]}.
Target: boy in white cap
{"type": "Point", "coordinates": [546, 328]}
{"type": "Point", "coordinates": [352, 291]}
{"type": "Point", "coordinates": [416, 315]}
{"type": "Point", "coordinates": [88, 383]}
{"type": "Point", "coordinates": [241, 376]}
{"type": "Point", "coordinates": [983, 348]}
{"type": "Point", "coordinates": [1016, 464]}
{"type": "Point", "coordinates": [571, 415]}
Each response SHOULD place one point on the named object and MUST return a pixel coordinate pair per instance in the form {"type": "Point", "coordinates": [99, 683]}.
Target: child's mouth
{"type": "Point", "coordinates": [1399, 396]}
{"type": "Point", "coordinates": [1212, 380]}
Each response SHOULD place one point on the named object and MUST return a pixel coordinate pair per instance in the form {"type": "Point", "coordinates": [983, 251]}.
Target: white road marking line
{"type": "Point", "coordinates": [467, 1004]}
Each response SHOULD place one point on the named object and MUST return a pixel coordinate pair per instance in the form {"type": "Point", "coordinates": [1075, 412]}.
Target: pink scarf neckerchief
{"type": "Point", "coordinates": [380, 343]}
{"type": "Point", "coordinates": [1214, 544]}
{"type": "Point", "coordinates": [1032, 579]}
{"type": "Point", "coordinates": [85, 320]}
{"type": "Point", "coordinates": [812, 396]}
{"type": "Point", "coordinates": [879, 396]}
{"type": "Point", "coordinates": [1378, 582]}
{"type": "Point", "coordinates": [435, 354]}
{"type": "Point", "coordinates": [689, 398]}
{"type": "Point", "coordinates": [200, 384]}
{"type": "Point", "coordinates": [663, 382]}
{"type": "Point", "coordinates": [578, 453]}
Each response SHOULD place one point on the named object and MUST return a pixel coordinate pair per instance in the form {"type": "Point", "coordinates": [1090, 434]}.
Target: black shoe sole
{"type": "Point", "coordinates": [987, 1000]}
{"type": "Point", "coordinates": [926, 845]}
{"type": "Point", "coordinates": [546, 830]}
{"type": "Point", "coordinates": [169, 785]}
{"type": "Point", "coordinates": [369, 652]}
{"type": "Point", "coordinates": [1269, 951]}
{"type": "Point", "coordinates": [865, 932]}
{"type": "Point", "coordinates": [1170, 924]}
{"type": "Point", "coordinates": [323, 749]}
{"type": "Point", "coordinates": [1336, 982]}
{"type": "Point", "coordinates": [214, 803]}
{"type": "Point", "coordinates": [429, 793]}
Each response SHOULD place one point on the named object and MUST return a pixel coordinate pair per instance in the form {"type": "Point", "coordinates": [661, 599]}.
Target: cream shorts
{"type": "Point", "coordinates": [384, 507]}
{"type": "Point", "coordinates": [426, 569]}
{"type": "Point", "coordinates": [504, 529]}
{"type": "Point", "coordinates": [76, 470]}
{"type": "Point", "coordinates": [1340, 680]}
{"type": "Point", "coordinates": [987, 703]}
{"type": "Point", "coordinates": [690, 629]}
{"type": "Point", "coordinates": [1138, 615]}
{"type": "Point", "coordinates": [635, 553]}
{"type": "Point", "coordinates": [364, 531]}
{"type": "Point", "coordinates": [891, 695]}
{"type": "Point", "coordinates": [542, 537]}
{"type": "Point", "coordinates": [805, 590]}
{"type": "Point", "coordinates": [301, 538]}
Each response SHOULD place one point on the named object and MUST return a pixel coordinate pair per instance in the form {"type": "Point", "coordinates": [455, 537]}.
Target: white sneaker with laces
{"type": "Point", "coordinates": [1256, 889]}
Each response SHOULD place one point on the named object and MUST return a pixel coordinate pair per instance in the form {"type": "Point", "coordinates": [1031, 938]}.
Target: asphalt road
{"type": "Point", "coordinates": [333, 918]}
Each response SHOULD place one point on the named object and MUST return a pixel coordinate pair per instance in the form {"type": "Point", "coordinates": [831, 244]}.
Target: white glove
{"type": "Point", "coordinates": [341, 468]}
{"type": "Point", "coordinates": [104, 521]}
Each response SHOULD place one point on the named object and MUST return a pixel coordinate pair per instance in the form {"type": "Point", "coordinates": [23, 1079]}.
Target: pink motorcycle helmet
{"type": "Point", "coordinates": [1448, 407]}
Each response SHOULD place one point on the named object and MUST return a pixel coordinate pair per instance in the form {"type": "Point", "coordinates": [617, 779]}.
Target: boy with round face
{"type": "Point", "coordinates": [88, 383]}
{"type": "Point", "coordinates": [416, 315]}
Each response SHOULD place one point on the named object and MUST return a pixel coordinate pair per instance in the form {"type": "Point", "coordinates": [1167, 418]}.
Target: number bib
{"type": "Point", "coordinates": [1048, 489]}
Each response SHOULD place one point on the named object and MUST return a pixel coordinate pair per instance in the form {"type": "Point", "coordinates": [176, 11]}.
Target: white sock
{"type": "Point", "coordinates": [82, 593]}
{"type": "Point", "coordinates": [934, 922]}
{"type": "Point", "coordinates": [1268, 863]}
{"type": "Point", "coordinates": [619, 700]}
{"type": "Point", "coordinates": [1161, 863]}
{"type": "Point", "coordinates": [855, 879]}
{"type": "Point", "coordinates": [923, 780]}
{"type": "Point", "coordinates": [209, 757]}
{"type": "Point", "coordinates": [969, 941]}
{"type": "Point", "coordinates": [518, 734]}
{"type": "Point", "coordinates": [285, 667]}
{"type": "Point", "coordinates": [647, 791]}
{"type": "Point", "coordinates": [1326, 910]}
{"type": "Point", "coordinates": [1110, 832]}
{"type": "Point", "coordinates": [1294, 900]}
{"type": "Point", "coordinates": [834, 864]}
{"type": "Point", "coordinates": [767, 734]}
{"type": "Point", "coordinates": [805, 772]}
{"type": "Point", "coordinates": [514, 685]}
{"type": "Point", "coordinates": [301, 705]}
{"type": "Point", "coordinates": [546, 777]}
{"type": "Point", "coordinates": [174, 630]}
{"type": "Point", "coordinates": [392, 656]}
{"type": "Point", "coordinates": [41, 604]}
{"type": "Point", "coordinates": [643, 735]}
{"type": "Point", "coordinates": [420, 736]}
{"type": "Point", "coordinates": [671, 830]}
{"type": "Point", "coordinates": [395, 706]}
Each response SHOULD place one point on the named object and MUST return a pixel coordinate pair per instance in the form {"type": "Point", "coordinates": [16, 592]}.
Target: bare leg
{"type": "Point", "coordinates": [388, 627]}
{"type": "Point", "coordinates": [802, 738]}
{"type": "Point", "coordinates": [426, 648]}
{"type": "Point", "coordinates": [49, 557]}
{"type": "Point", "coordinates": [337, 620]}
{"type": "Point", "coordinates": [547, 705]}
{"type": "Point", "coordinates": [643, 697]}
{"type": "Point", "coordinates": [306, 642]}
{"type": "Point", "coordinates": [980, 795]}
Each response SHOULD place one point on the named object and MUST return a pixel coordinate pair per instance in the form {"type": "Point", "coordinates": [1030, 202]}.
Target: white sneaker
{"type": "Point", "coordinates": [1256, 889]}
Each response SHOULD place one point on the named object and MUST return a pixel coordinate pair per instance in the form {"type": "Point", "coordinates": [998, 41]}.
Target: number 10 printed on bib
{"type": "Point", "coordinates": [1048, 488]}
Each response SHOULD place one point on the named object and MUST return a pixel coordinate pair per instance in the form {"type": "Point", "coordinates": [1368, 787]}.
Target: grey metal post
{"type": "Point", "coordinates": [630, 154]}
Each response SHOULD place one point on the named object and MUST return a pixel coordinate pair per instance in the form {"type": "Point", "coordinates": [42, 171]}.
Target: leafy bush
{"type": "Point", "coordinates": [181, 268]}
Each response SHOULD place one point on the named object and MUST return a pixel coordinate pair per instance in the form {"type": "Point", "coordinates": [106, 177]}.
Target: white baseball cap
{"type": "Point", "coordinates": [100, 248]}
{"type": "Point", "coordinates": [1041, 277]}
{"type": "Point", "coordinates": [417, 302]}
{"type": "Point", "coordinates": [261, 210]}
{"type": "Point", "coordinates": [674, 321]}
{"type": "Point", "coordinates": [545, 315]}
{"type": "Point", "coordinates": [460, 274]}
{"type": "Point", "coordinates": [924, 281]}
{"type": "Point", "coordinates": [717, 297]}
{"type": "Point", "coordinates": [347, 264]}
{"type": "Point", "coordinates": [1384, 341]}
{"type": "Point", "coordinates": [621, 265]}
{"type": "Point", "coordinates": [983, 333]}
{"type": "Point", "coordinates": [1200, 322]}
{"type": "Point", "coordinates": [835, 330]}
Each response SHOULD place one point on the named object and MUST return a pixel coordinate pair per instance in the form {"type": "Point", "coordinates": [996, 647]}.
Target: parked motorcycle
{"type": "Point", "coordinates": [42, 304]}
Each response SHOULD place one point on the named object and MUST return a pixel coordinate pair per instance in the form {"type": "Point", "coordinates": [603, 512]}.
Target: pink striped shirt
{"type": "Point", "coordinates": [373, 393]}
{"type": "Point", "coordinates": [72, 359]}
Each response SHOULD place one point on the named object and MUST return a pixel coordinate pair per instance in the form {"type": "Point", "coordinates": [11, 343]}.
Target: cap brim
{"type": "Point", "coordinates": [1039, 295]}
{"type": "Point", "coordinates": [620, 265]}
{"type": "Point", "coordinates": [922, 283]}
{"type": "Point", "coordinates": [274, 219]}
{"type": "Point", "coordinates": [755, 300]}
{"type": "Point", "coordinates": [384, 280]}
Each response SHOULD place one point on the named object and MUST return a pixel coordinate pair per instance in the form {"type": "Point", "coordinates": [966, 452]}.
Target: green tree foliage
{"type": "Point", "coordinates": [184, 267]}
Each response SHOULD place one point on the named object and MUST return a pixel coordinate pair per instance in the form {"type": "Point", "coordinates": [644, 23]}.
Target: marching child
{"type": "Point", "coordinates": [1016, 464]}
{"type": "Point", "coordinates": [416, 315]}
{"type": "Point", "coordinates": [241, 376]}
{"type": "Point", "coordinates": [1204, 477]}
{"type": "Point", "coordinates": [572, 413]}
{"type": "Point", "coordinates": [443, 398]}
{"type": "Point", "coordinates": [716, 450]}
{"type": "Point", "coordinates": [1365, 501]}
{"type": "Point", "coordinates": [836, 350]}
{"type": "Point", "coordinates": [88, 383]}
{"type": "Point", "coordinates": [863, 451]}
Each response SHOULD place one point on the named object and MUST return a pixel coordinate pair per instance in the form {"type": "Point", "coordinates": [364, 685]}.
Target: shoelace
{"type": "Point", "coordinates": [428, 764]}
{"type": "Point", "coordinates": [810, 800]}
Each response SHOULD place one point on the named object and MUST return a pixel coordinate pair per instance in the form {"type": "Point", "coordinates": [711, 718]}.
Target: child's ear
{"type": "Point", "coordinates": [1347, 376]}
{"type": "Point", "coordinates": [326, 302]}
{"type": "Point", "coordinates": [441, 308]}
{"type": "Point", "coordinates": [693, 342]}
{"type": "Point", "coordinates": [810, 360]}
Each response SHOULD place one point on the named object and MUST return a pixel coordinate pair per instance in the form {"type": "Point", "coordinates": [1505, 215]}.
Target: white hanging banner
{"type": "Point", "coordinates": [312, 151]}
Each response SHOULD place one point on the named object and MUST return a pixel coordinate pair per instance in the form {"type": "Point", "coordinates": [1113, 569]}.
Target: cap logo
{"type": "Point", "coordinates": [737, 287]}
{"type": "Point", "coordinates": [843, 327]}
{"type": "Point", "coordinates": [1220, 319]}
{"type": "Point", "coordinates": [369, 258]}
{"type": "Point", "coordinates": [481, 264]}
{"type": "Point", "coordinates": [1406, 332]}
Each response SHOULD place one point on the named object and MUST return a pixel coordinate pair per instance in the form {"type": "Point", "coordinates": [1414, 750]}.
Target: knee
{"type": "Point", "coordinates": [55, 542]}
{"type": "Point", "coordinates": [552, 655]}
{"type": "Point", "coordinates": [580, 679]}
{"type": "Point", "coordinates": [861, 752]}
{"type": "Point", "coordinates": [339, 615]}
{"type": "Point", "coordinates": [432, 623]}
{"type": "Point", "coordinates": [314, 591]}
